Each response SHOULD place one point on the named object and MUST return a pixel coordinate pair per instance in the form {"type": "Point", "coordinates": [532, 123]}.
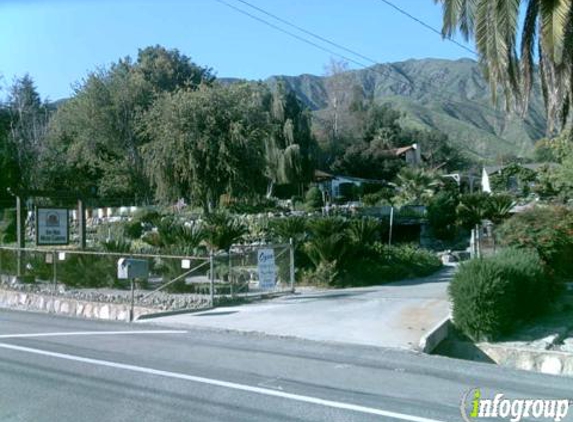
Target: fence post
{"type": "Point", "coordinates": [132, 305]}
{"type": "Point", "coordinates": [291, 247]}
{"type": "Point", "coordinates": [20, 234]}
{"type": "Point", "coordinates": [390, 230]}
{"type": "Point", "coordinates": [82, 223]}
{"type": "Point", "coordinates": [55, 275]}
{"type": "Point", "coordinates": [231, 278]}
{"type": "Point", "coordinates": [212, 279]}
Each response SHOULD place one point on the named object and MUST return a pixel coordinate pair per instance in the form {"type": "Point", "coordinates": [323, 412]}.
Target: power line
{"type": "Point", "coordinates": [496, 112]}
{"type": "Point", "coordinates": [428, 26]}
{"type": "Point", "coordinates": [305, 31]}
{"type": "Point", "coordinates": [284, 31]}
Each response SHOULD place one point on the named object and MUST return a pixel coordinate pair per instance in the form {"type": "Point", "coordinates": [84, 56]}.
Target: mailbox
{"type": "Point", "coordinates": [129, 269]}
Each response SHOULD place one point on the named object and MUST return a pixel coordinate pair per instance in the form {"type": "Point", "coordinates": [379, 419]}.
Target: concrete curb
{"type": "Point", "coordinates": [435, 336]}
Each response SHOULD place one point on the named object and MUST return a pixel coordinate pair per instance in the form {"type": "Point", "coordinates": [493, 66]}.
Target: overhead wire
{"type": "Point", "coordinates": [377, 68]}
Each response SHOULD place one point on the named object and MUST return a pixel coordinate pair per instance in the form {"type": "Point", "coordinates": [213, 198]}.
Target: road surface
{"type": "Point", "coordinates": [391, 315]}
{"type": "Point", "coordinates": [62, 369]}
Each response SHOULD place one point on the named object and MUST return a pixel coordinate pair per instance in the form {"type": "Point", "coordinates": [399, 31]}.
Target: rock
{"type": "Point", "coordinates": [525, 362]}
{"type": "Point", "coordinates": [104, 312]}
{"type": "Point", "coordinates": [551, 365]}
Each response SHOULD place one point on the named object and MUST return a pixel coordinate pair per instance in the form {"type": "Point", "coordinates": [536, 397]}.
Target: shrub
{"type": "Point", "coordinates": [287, 228]}
{"type": "Point", "coordinates": [173, 235]}
{"type": "Point", "coordinates": [490, 295]}
{"type": "Point", "coordinates": [499, 207]}
{"type": "Point", "coordinates": [380, 263]}
{"type": "Point", "coordinates": [328, 241]}
{"type": "Point", "coordinates": [442, 216]}
{"type": "Point", "coordinates": [147, 216]}
{"type": "Point", "coordinates": [8, 226]}
{"type": "Point", "coordinates": [364, 231]}
{"type": "Point", "coordinates": [133, 229]}
{"type": "Point", "coordinates": [325, 274]}
{"type": "Point", "coordinates": [483, 300]}
{"type": "Point", "coordinates": [119, 245]}
{"type": "Point", "coordinates": [472, 209]}
{"type": "Point", "coordinates": [313, 198]}
{"type": "Point", "coordinates": [252, 206]}
{"type": "Point", "coordinates": [222, 231]}
{"type": "Point", "coordinates": [548, 231]}
{"type": "Point", "coordinates": [88, 271]}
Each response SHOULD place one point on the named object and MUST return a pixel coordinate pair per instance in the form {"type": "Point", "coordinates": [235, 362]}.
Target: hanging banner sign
{"type": "Point", "coordinates": [52, 226]}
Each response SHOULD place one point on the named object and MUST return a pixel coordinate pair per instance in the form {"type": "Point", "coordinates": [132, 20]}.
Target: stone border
{"type": "Point", "coordinates": [70, 307]}
{"type": "Point", "coordinates": [435, 336]}
{"type": "Point", "coordinates": [545, 361]}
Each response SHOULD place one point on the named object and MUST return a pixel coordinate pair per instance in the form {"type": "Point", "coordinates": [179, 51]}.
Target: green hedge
{"type": "Point", "coordinates": [491, 295]}
{"type": "Point", "coordinates": [378, 263]}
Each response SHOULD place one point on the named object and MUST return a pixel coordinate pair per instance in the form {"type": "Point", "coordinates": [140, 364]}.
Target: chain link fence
{"type": "Point", "coordinates": [172, 282]}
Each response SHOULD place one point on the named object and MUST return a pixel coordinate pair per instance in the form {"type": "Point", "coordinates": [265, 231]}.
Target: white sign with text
{"type": "Point", "coordinates": [52, 226]}
{"type": "Point", "coordinates": [267, 268]}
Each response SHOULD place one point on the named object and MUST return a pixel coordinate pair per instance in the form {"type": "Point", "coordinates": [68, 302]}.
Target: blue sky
{"type": "Point", "coordinates": [59, 41]}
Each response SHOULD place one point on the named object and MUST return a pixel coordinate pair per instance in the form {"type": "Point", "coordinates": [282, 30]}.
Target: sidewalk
{"type": "Point", "coordinates": [393, 315]}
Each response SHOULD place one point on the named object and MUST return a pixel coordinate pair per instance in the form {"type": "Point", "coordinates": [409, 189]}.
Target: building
{"type": "Point", "coordinates": [336, 186]}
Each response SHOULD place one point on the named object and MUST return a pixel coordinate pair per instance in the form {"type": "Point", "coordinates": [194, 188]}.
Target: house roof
{"type": "Point", "coordinates": [400, 151]}
{"type": "Point", "coordinates": [322, 176]}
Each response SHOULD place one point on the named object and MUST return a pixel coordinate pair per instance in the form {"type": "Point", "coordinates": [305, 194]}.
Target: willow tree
{"type": "Point", "coordinates": [206, 143]}
{"type": "Point", "coordinates": [509, 36]}
{"type": "Point", "coordinates": [96, 137]}
{"type": "Point", "coordinates": [289, 146]}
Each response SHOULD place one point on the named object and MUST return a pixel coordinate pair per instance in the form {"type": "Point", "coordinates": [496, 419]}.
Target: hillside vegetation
{"type": "Point", "coordinates": [445, 95]}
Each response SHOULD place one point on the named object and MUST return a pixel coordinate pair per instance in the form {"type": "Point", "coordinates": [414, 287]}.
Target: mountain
{"type": "Point", "coordinates": [448, 95]}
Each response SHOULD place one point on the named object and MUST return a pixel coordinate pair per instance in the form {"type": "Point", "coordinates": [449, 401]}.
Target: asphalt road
{"type": "Point", "coordinates": [61, 369]}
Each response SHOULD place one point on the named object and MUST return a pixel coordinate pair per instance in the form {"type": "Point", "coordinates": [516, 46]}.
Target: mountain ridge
{"type": "Point", "coordinates": [448, 95]}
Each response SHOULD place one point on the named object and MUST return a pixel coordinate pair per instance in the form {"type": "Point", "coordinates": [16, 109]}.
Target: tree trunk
{"type": "Point", "coordinates": [270, 187]}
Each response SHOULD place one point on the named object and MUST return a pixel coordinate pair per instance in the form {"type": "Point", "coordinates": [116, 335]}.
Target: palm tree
{"type": "Point", "coordinates": [416, 186]}
{"type": "Point", "coordinates": [546, 32]}
{"type": "Point", "coordinates": [499, 208]}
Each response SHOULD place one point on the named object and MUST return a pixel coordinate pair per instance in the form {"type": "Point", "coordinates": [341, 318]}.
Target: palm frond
{"type": "Point", "coordinates": [528, 37]}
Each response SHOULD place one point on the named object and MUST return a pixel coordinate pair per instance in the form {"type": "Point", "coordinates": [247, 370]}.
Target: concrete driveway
{"type": "Point", "coordinates": [393, 315]}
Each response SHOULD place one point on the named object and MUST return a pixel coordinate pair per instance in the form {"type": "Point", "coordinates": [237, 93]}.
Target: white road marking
{"type": "Point", "coordinates": [90, 333]}
{"type": "Point", "coordinates": [224, 384]}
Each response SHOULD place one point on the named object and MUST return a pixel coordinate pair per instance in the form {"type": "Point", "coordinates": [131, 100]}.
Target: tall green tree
{"type": "Point", "coordinates": [207, 142]}
{"type": "Point", "coordinates": [28, 119]}
{"type": "Point", "coordinates": [416, 186]}
{"type": "Point", "coordinates": [545, 29]}
{"type": "Point", "coordinates": [96, 137]}
{"type": "Point", "coordinates": [289, 146]}
{"type": "Point", "coordinates": [9, 173]}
